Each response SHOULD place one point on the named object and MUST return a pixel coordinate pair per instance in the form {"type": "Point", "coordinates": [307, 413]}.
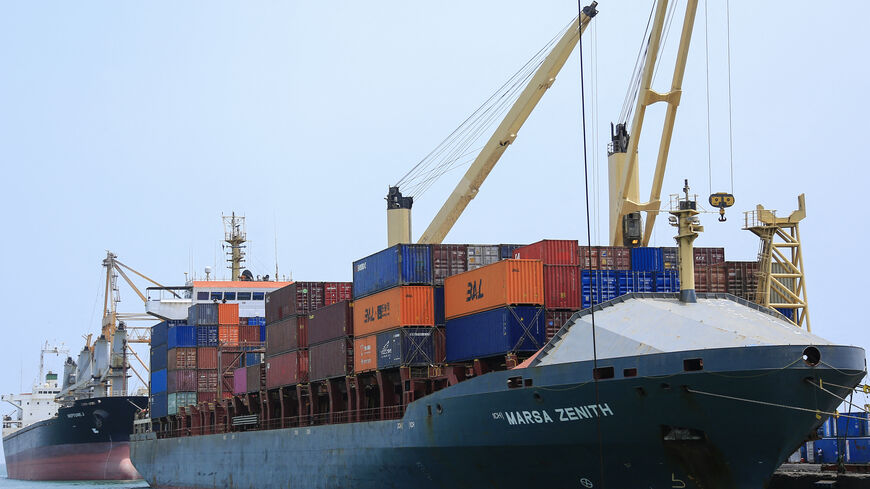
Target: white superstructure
{"type": "Point", "coordinates": [31, 407]}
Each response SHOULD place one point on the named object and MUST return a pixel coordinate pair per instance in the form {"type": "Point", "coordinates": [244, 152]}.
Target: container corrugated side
{"type": "Point", "coordinates": [181, 358]}
{"type": "Point", "coordinates": [334, 292]}
{"type": "Point", "coordinates": [605, 257]}
{"type": "Point", "coordinates": [482, 255]}
{"type": "Point", "coordinates": [742, 277]}
{"type": "Point", "coordinates": [561, 287]}
{"type": "Point", "coordinates": [598, 286]}
{"type": "Point", "coordinates": [409, 347]}
{"type": "Point", "coordinates": [206, 358]}
{"type": "Point", "coordinates": [240, 381]}
{"type": "Point", "coordinates": [228, 314]}
{"type": "Point", "coordinates": [255, 377]}
{"type": "Point", "coordinates": [438, 295]}
{"type": "Point", "coordinates": [365, 354]}
{"type": "Point", "coordinates": [506, 282]}
{"type": "Point", "coordinates": [257, 321]}
{"type": "Point", "coordinates": [287, 369]}
{"type": "Point", "coordinates": [647, 259]}
{"type": "Point", "coordinates": [286, 335]}
{"type": "Point", "coordinates": [331, 359]}
{"type": "Point", "coordinates": [296, 298]}
{"type": "Point", "coordinates": [330, 323]}
{"type": "Point", "coordinates": [181, 380]}
{"type": "Point", "coordinates": [206, 397]}
{"type": "Point", "coordinates": [634, 281]}
{"type": "Point", "coordinates": [551, 252]}
{"type": "Point", "coordinates": [159, 334]}
{"type": "Point", "coordinates": [253, 359]}
{"type": "Point", "coordinates": [231, 358]}
{"type": "Point", "coordinates": [206, 380]}
{"type": "Point", "coordinates": [496, 332]}
{"type": "Point", "coordinates": [409, 305]}
{"type": "Point", "coordinates": [228, 335]}
{"type": "Point", "coordinates": [179, 400]}
{"type": "Point", "coordinates": [159, 357]}
{"type": "Point", "coordinates": [249, 335]}
{"type": "Point", "coordinates": [708, 256]}
{"type": "Point", "coordinates": [159, 405]}
{"type": "Point", "coordinates": [555, 320]}
{"type": "Point", "coordinates": [447, 260]}
{"type": "Point", "coordinates": [207, 336]}
{"type": "Point", "coordinates": [668, 281]}
{"type": "Point", "coordinates": [158, 381]}
{"type": "Point", "coordinates": [711, 278]}
{"type": "Point", "coordinates": [181, 337]}
{"type": "Point", "coordinates": [394, 266]}
{"type": "Point", "coordinates": [506, 251]}
{"type": "Point", "coordinates": [671, 258]}
{"type": "Point", "coordinates": [205, 314]}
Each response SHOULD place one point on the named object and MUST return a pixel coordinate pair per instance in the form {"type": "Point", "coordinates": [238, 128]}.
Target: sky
{"type": "Point", "coordinates": [132, 127]}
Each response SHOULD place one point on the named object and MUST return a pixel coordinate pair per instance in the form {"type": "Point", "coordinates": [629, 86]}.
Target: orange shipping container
{"type": "Point", "coordinates": [394, 308]}
{"type": "Point", "coordinates": [504, 283]}
{"type": "Point", "coordinates": [228, 314]}
{"type": "Point", "coordinates": [228, 335]}
{"type": "Point", "coordinates": [365, 354]}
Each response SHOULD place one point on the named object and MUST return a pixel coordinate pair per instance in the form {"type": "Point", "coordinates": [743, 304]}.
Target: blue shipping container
{"type": "Point", "coordinates": [394, 266]}
{"type": "Point", "coordinates": [257, 321]}
{"type": "Point", "coordinates": [647, 260]}
{"type": "Point", "coordinates": [858, 451]}
{"type": "Point", "coordinates": [789, 313]}
{"type": "Point", "coordinates": [407, 347]}
{"type": "Point", "coordinates": [829, 448]}
{"type": "Point", "coordinates": [852, 425]}
{"type": "Point", "coordinates": [159, 333]}
{"type": "Point", "coordinates": [158, 381]}
{"type": "Point", "coordinates": [668, 281]}
{"type": "Point", "coordinates": [159, 405]}
{"type": "Point", "coordinates": [597, 286]}
{"type": "Point", "coordinates": [176, 322]}
{"type": "Point", "coordinates": [506, 251]}
{"type": "Point", "coordinates": [496, 332]}
{"type": "Point", "coordinates": [253, 359]}
{"type": "Point", "coordinates": [439, 305]}
{"type": "Point", "coordinates": [203, 314]}
{"type": "Point", "coordinates": [182, 336]}
{"type": "Point", "coordinates": [262, 332]}
{"type": "Point", "coordinates": [208, 335]}
{"type": "Point", "coordinates": [159, 355]}
{"type": "Point", "coordinates": [633, 281]}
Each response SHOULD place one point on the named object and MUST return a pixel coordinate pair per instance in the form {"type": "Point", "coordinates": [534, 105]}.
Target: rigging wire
{"type": "Point", "coordinates": [596, 167]}
{"type": "Point", "coordinates": [634, 83]}
{"type": "Point", "coordinates": [730, 131]}
{"type": "Point", "coordinates": [589, 239]}
{"type": "Point", "coordinates": [707, 63]}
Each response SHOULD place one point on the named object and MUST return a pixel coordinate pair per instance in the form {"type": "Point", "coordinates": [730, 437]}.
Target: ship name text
{"type": "Point", "coordinates": [557, 415]}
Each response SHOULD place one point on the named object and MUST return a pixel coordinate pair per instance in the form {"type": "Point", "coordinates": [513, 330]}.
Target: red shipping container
{"type": "Point", "coordinates": [336, 292]}
{"type": "Point", "coordinates": [742, 278]}
{"type": "Point", "coordinates": [243, 321]}
{"type": "Point", "coordinates": [227, 383]}
{"type": "Point", "coordinates": [331, 359]}
{"type": "Point", "coordinates": [181, 381]}
{"type": "Point", "coordinates": [708, 256]}
{"type": "Point", "coordinates": [206, 397]}
{"type": "Point", "coordinates": [448, 260]}
{"type": "Point", "coordinates": [562, 287]}
{"type": "Point", "coordinates": [365, 354]}
{"type": "Point", "coordinates": [240, 381]}
{"type": "Point", "coordinates": [249, 335]}
{"type": "Point", "coordinates": [605, 258]}
{"type": "Point", "coordinates": [206, 380]}
{"type": "Point", "coordinates": [296, 298]}
{"type": "Point", "coordinates": [206, 358]}
{"type": "Point", "coordinates": [181, 358]}
{"type": "Point", "coordinates": [287, 369]}
{"type": "Point", "coordinates": [286, 335]}
{"type": "Point", "coordinates": [228, 335]}
{"type": "Point", "coordinates": [551, 252]}
{"type": "Point", "coordinates": [555, 321]}
{"type": "Point", "coordinates": [711, 279]}
{"type": "Point", "coordinates": [231, 359]}
{"type": "Point", "coordinates": [330, 323]}
{"type": "Point", "coordinates": [228, 314]}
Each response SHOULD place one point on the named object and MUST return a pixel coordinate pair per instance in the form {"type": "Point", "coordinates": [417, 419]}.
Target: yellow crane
{"type": "Point", "coordinates": [399, 206]}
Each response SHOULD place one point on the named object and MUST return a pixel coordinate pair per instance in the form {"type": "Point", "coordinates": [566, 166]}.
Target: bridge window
{"type": "Point", "coordinates": [229, 296]}
{"type": "Point", "coordinates": [258, 296]}
{"type": "Point", "coordinates": [244, 296]}
{"type": "Point", "coordinates": [202, 296]}
{"type": "Point", "coordinates": [216, 296]}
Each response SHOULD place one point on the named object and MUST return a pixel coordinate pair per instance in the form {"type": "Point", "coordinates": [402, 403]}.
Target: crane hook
{"type": "Point", "coordinates": [721, 200]}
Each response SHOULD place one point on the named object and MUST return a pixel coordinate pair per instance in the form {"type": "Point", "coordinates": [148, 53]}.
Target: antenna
{"type": "Point", "coordinates": [235, 236]}
{"type": "Point", "coordinates": [276, 249]}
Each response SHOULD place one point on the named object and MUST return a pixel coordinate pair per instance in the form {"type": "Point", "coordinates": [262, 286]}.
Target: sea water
{"type": "Point", "coordinates": [15, 484]}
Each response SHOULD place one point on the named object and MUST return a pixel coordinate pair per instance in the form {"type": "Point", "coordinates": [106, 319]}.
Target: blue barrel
{"type": "Point", "coordinates": [159, 333]}
{"type": "Point", "coordinates": [402, 264]}
{"type": "Point", "coordinates": [414, 346]}
{"type": "Point", "coordinates": [158, 381]}
{"type": "Point", "coordinates": [597, 286]}
{"type": "Point", "coordinates": [647, 260]}
{"type": "Point", "coordinates": [496, 332]}
{"type": "Point", "coordinates": [667, 281]}
{"type": "Point", "coordinates": [208, 335]}
{"type": "Point", "coordinates": [159, 355]}
{"type": "Point", "coordinates": [159, 405]}
{"type": "Point", "coordinates": [182, 336]}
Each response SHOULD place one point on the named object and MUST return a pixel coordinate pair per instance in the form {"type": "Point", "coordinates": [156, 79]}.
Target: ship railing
{"type": "Point", "coordinates": [307, 420]}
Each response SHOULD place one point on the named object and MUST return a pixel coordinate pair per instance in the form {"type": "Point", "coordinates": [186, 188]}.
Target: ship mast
{"type": "Point", "coordinates": [236, 237]}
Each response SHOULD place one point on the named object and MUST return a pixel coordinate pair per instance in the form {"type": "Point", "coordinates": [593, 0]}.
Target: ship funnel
{"type": "Point", "coordinates": [684, 211]}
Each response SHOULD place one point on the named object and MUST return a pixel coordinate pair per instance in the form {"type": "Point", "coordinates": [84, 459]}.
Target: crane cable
{"type": "Point", "coordinates": [730, 131]}
{"type": "Point", "coordinates": [707, 64]}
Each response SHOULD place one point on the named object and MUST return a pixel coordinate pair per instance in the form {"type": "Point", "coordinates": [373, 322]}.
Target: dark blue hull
{"type": "Point", "coordinates": [728, 425]}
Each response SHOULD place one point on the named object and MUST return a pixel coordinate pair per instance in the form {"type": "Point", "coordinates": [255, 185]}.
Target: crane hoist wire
{"type": "Point", "coordinates": [634, 83]}
{"type": "Point", "coordinates": [669, 20]}
{"type": "Point", "coordinates": [449, 154]}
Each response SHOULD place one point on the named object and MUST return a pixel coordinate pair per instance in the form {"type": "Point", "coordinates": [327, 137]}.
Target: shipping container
{"type": "Point", "coordinates": [562, 287]}
{"type": "Point", "coordinates": [178, 400]}
{"type": "Point", "coordinates": [830, 451]}
{"type": "Point", "coordinates": [711, 278]}
{"type": "Point", "coordinates": [296, 298]}
{"type": "Point", "coordinates": [253, 359]}
{"type": "Point", "coordinates": [705, 257]}
{"type": "Point", "coordinates": [742, 277]}
{"type": "Point", "coordinates": [365, 354]}
{"type": "Point", "coordinates": [287, 369]}
{"type": "Point", "coordinates": [633, 281]}
{"type": "Point", "coordinates": [158, 381]}
{"type": "Point", "coordinates": [207, 336]}
{"type": "Point", "coordinates": [331, 359]}
{"type": "Point", "coordinates": [448, 260]}
{"type": "Point", "coordinates": [481, 255]}
{"type": "Point", "coordinates": [207, 358]}
{"type": "Point", "coordinates": [159, 334]}
{"type": "Point", "coordinates": [506, 251]}
{"type": "Point", "coordinates": [330, 322]}
{"type": "Point", "coordinates": [159, 357]}
{"type": "Point", "coordinates": [506, 282]}
{"type": "Point", "coordinates": [402, 264]}
{"type": "Point", "coordinates": [598, 286]}
{"type": "Point", "coordinates": [181, 358]}
{"type": "Point", "coordinates": [257, 321]}
{"type": "Point", "coordinates": [288, 334]}
{"type": "Point", "coordinates": [181, 380]}
{"type": "Point", "coordinates": [228, 335]}
{"type": "Point", "coordinates": [206, 380]}
{"type": "Point", "coordinates": [240, 381]}
{"type": "Point", "coordinates": [647, 260]}
{"type": "Point", "coordinates": [203, 314]}
{"type": "Point", "coordinates": [605, 257]}
{"type": "Point", "coordinates": [551, 252]}
{"type": "Point", "coordinates": [409, 305]}
{"type": "Point", "coordinates": [496, 332]}
{"type": "Point", "coordinates": [249, 335]}
{"type": "Point", "coordinates": [181, 337]}
{"type": "Point", "coordinates": [231, 359]}
{"type": "Point", "coordinates": [255, 375]}
{"type": "Point", "coordinates": [206, 397]}
{"type": "Point", "coordinates": [228, 314]}
{"type": "Point", "coordinates": [411, 347]}
{"type": "Point", "coordinates": [159, 405]}
{"type": "Point", "coordinates": [438, 296]}
{"type": "Point", "coordinates": [852, 425]}
{"type": "Point", "coordinates": [336, 292]}
{"type": "Point", "coordinates": [668, 281]}
{"type": "Point", "coordinates": [555, 321]}
{"type": "Point", "coordinates": [671, 258]}
{"type": "Point", "coordinates": [858, 450]}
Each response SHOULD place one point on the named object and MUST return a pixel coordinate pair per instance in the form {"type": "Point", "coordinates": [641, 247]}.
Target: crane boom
{"type": "Point", "coordinates": [506, 132]}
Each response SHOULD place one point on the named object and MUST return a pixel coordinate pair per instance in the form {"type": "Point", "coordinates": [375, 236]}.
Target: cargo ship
{"type": "Point", "coordinates": [544, 365]}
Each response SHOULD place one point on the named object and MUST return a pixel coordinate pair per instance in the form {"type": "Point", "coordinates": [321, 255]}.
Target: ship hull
{"type": "Point", "coordinates": [729, 425]}
{"type": "Point", "coordinates": [86, 441]}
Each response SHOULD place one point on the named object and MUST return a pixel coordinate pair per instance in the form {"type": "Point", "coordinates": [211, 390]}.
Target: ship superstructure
{"type": "Point", "coordinates": [37, 405]}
